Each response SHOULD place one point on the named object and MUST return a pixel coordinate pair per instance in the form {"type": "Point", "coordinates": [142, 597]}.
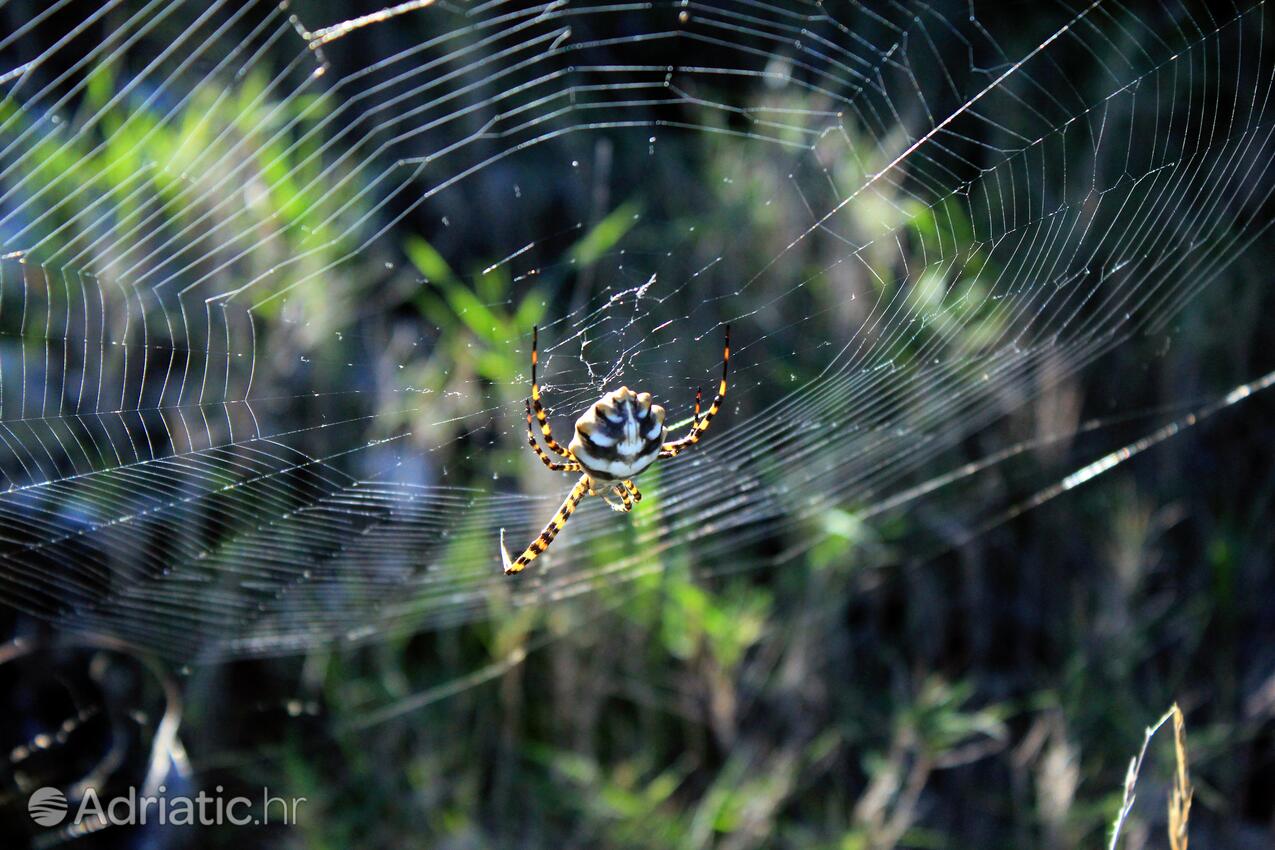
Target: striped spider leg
{"type": "Point", "coordinates": [700, 425]}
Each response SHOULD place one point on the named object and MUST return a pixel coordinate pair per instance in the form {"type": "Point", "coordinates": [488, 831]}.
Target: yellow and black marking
{"type": "Point", "coordinates": [623, 507]}
{"type": "Point", "coordinates": [700, 425]}
{"type": "Point", "coordinates": [632, 489]}
{"type": "Point", "coordinates": [626, 498]}
{"type": "Point", "coordinates": [621, 435]}
{"type": "Point", "coordinates": [569, 466]}
{"type": "Point", "coordinates": [541, 416]}
{"type": "Point", "coordinates": [551, 530]}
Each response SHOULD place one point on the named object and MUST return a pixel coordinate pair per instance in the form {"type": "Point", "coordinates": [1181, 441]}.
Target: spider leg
{"type": "Point", "coordinates": [541, 416]}
{"type": "Point", "coordinates": [569, 466]}
{"type": "Point", "coordinates": [632, 490]}
{"type": "Point", "coordinates": [626, 499]}
{"type": "Point", "coordinates": [541, 543]}
{"type": "Point", "coordinates": [699, 398]}
{"type": "Point", "coordinates": [700, 425]}
{"type": "Point", "coordinates": [614, 489]}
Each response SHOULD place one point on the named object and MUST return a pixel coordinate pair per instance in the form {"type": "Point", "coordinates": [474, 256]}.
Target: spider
{"type": "Point", "coordinates": [615, 440]}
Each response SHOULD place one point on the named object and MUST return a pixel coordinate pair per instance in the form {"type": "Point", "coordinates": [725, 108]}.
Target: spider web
{"type": "Point", "coordinates": [223, 432]}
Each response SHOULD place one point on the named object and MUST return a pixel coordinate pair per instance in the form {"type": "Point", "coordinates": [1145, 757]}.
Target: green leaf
{"type": "Point", "coordinates": [605, 234]}
{"type": "Point", "coordinates": [428, 261]}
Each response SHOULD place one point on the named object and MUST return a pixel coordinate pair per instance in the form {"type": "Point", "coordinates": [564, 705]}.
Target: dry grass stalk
{"type": "Point", "coordinates": [1179, 798]}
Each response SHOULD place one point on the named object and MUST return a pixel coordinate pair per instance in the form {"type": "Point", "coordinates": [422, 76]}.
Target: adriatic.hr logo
{"type": "Point", "coordinates": [47, 806]}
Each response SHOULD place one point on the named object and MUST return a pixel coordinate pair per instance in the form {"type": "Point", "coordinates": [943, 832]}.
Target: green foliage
{"type": "Point", "coordinates": [605, 235]}
{"type": "Point", "coordinates": [723, 624]}
{"type": "Point", "coordinates": [168, 173]}
{"type": "Point", "coordinates": [485, 313]}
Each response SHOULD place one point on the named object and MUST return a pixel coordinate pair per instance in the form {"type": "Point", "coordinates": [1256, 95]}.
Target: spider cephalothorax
{"type": "Point", "coordinates": [615, 440]}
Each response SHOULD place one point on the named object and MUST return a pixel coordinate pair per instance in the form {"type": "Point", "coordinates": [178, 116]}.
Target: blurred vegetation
{"type": "Point", "coordinates": [874, 687]}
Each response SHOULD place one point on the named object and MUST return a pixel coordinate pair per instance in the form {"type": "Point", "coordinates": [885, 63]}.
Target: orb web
{"type": "Point", "coordinates": [249, 404]}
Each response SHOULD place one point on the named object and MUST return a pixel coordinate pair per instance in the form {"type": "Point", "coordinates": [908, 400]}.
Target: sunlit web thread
{"type": "Point", "coordinates": [281, 535]}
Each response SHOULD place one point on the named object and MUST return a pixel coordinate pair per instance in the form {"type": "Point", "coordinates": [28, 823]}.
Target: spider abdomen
{"type": "Point", "coordinates": [619, 436]}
